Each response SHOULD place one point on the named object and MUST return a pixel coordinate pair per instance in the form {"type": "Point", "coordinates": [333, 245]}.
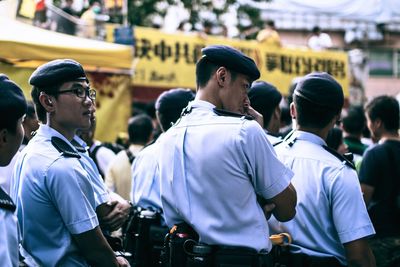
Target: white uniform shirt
{"type": "Point", "coordinates": [9, 235]}
{"type": "Point", "coordinates": [211, 168]}
{"type": "Point", "coordinates": [57, 197]}
{"type": "Point", "coordinates": [145, 179]}
{"type": "Point", "coordinates": [330, 208]}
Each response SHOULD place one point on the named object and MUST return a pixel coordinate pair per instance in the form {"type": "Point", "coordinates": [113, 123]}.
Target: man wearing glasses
{"type": "Point", "coordinates": [57, 190]}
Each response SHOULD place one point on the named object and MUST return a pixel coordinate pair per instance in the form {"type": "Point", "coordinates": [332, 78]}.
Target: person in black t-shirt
{"type": "Point", "coordinates": [380, 179]}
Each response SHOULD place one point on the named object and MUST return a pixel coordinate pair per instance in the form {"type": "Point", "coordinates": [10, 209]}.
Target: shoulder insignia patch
{"type": "Point", "coordinates": [66, 150]}
{"type": "Point", "coordinates": [340, 157]}
{"type": "Point", "coordinates": [221, 112]}
{"type": "Point", "coordinates": [6, 201]}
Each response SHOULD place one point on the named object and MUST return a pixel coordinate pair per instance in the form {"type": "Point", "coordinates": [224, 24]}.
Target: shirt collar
{"type": "Point", "coordinates": [48, 132]}
{"type": "Point", "coordinates": [310, 137]}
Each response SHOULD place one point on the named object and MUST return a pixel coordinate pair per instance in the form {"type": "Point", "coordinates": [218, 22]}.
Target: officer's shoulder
{"type": "Point", "coordinates": [64, 148]}
{"type": "Point", "coordinates": [228, 114]}
{"type": "Point", "coordinates": [340, 157]}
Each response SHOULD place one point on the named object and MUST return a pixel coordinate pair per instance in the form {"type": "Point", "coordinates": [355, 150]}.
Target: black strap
{"type": "Point", "coordinates": [131, 157]}
{"type": "Point", "coordinates": [92, 154]}
{"type": "Point", "coordinates": [64, 148]}
{"type": "Point", "coordinates": [221, 112]}
{"type": "Point", "coordinates": [6, 201]}
{"type": "Point", "coordinates": [340, 157]}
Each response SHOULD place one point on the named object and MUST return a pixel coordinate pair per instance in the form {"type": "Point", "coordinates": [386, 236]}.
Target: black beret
{"type": "Point", "coordinates": [232, 59]}
{"type": "Point", "coordinates": [56, 72]}
{"type": "Point", "coordinates": [174, 100]}
{"type": "Point", "coordinates": [264, 96]}
{"type": "Point", "coordinates": [12, 101]}
{"type": "Point", "coordinates": [321, 89]}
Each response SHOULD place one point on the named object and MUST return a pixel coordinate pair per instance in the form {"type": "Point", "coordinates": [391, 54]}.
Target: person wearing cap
{"type": "Point", "coordinates": [265, 99]}
{"type": "Point", "coordinates": [12, 103]}
{"type": "Point", "coordinates": [145, 190]}
{"type": "Point", "coordinates": [216, 160]}
{"type": "Point", "coordinates": [57, 190]}
{"type": "Point", "coordinates": [331, 225]}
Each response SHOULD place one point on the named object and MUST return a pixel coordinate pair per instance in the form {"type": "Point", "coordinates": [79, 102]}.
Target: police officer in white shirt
{"type": "Point", "coordinates": [58, 196]}
{"type": "Point", "coordinates": [265, 98]}
{"type": "Point", "coordinates": [214, 163]}
{"type": "Point", "coordinates": [331, 225]}
{"type": "Point", "coordinates": [12, 107]}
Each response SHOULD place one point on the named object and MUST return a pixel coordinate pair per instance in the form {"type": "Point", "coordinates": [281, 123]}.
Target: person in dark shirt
{"type": "Point", "coordinates": [380, 179]}
{"type": "Point", "coordinates": [353, 124]}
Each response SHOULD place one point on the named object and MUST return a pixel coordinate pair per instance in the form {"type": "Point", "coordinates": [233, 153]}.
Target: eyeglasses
{"type": "Point", "coordinates": [81, 92]}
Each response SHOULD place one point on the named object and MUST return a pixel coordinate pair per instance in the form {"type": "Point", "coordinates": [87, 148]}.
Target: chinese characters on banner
{"type": "Point", "coordinates": [168, 60]}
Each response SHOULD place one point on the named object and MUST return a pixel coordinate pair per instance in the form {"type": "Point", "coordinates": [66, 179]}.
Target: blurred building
{"type": "Point", "coordinates": [371, 27]}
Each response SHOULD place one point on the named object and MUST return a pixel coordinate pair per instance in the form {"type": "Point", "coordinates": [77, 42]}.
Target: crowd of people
{"type": "Point", "coordinates": [89, 23]}
{"type": "Point", "coordinates": [223, 175]}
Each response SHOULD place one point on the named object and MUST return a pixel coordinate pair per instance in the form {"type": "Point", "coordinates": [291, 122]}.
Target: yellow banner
{"type": "Point", "coordinates": [168, 60]}
{"type": "Point", "coordinates": [113, 102]}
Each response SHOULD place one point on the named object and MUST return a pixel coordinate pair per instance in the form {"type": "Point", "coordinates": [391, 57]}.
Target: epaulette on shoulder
{"type": "Point", "coordinates": [277, 143]}
{"type": "Point", "coordinates": [66, 150]}
{"type": "Point", "coordinates": [6, 202]}
{"type": "Point", "coordinates": [221, 112]}
{"type": "Point", "coordinates": [340, 157]}
{"type": "Point", "coordinates": [78, 146]}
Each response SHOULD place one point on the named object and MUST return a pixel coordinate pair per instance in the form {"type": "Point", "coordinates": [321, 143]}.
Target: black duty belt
{"type": "Point", "coordinates": [304, 260]}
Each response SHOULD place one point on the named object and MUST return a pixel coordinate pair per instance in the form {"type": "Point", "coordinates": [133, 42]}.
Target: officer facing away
{"type": "Point", "coordinates": [265, 99]}
{"type": "Point", "coordinates": [12, 107]}
{"type": "Point", "coordinates": [145, 193]}
{"type": "Point", "coordinates": [57, 195]}
{"type": "Point", "coordinates": [331, 225]}
{"type": "Point", "coordinates": [214, 162]}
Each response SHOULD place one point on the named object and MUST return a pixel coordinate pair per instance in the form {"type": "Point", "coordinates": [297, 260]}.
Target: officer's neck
{"type": "Point", "coordinates": [211, 96]}
{"type": "Point", "coordinates": [321, 132]}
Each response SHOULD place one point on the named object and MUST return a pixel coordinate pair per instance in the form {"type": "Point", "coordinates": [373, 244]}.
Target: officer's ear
{"type": "Point", "coordinates": [46, 101]}
{"type": "Point", "coordinates": [220, 74]}
{"type": "Point", "coordinates": [293, 112]}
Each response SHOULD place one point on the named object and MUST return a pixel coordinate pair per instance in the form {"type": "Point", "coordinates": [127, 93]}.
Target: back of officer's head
{"type": "Point", "coordinates": [354, 121]}
{"type": "Point", "coordinates": [264, 98]}
{"type": "Point", "coordinates": [318, 98]}
{"type": "Point", "coordinates": [216, 56]}
{"type": "Point", "coordinates": [169, 106]}
{"type": "Point", "coordinates": [12, 104]}
{"type": "Point", "coordinates": [12, 108]}
{"type": "Point", "coordinates": [49, 77]}
{"type": "Point", "coordinates": [385, 108]}
{"type": "Point", "coordinates": [140, 128]}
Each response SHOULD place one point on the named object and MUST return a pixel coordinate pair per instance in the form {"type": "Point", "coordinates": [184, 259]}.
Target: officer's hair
{"type": "Point", "coordinates": [385, 108]}
{"type": "Point", "coordinates": [205, 69]}
{"type": "Point", "coordinates": [140, 128]}
{"type": "Point", "coordinates": [35, 93]}
{"type": "Point", "coordinates": [354, 122]}
{"type": "Point", "coordinates": [312, 115]}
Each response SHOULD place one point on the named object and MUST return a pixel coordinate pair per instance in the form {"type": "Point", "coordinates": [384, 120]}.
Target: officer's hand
{"type": "Point", "coordinates": [268, 208]}
{"type": "Point", "coordinates": [117, 216]}
{"type": "Point", "coordinates": [123, 262]}
{"type": "Point", "coordinates": [256, 115]}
